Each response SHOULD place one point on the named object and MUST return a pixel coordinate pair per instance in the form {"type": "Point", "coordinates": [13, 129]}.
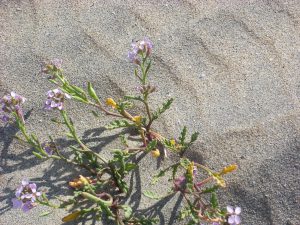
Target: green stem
{"type": "Point", "coordinates": [99, 106]}
{"type": "Point", "coordinates": [76, 138]}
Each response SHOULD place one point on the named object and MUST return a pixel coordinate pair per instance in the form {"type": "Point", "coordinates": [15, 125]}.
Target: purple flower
{"type": "Point", "coordinates": [55, 99]}
{"type": "Point", "coordinates": [26, 195]}
{"type": "Point", "coordinates": [11, 103]}
{"type": "Point", "coordinates": [4, 118]}
{"type": "Point", "coordinates": [56, 63]}
{"type": "Point", "coordinates": [142, 47]}
{"type": "Point", "coordinates": [234, 218]}
{"type": "Point", "coordinates": [49, 147]}
{"type": "Point", "coordinates": [52, 67]}
{"type": "Point", "coordinates": [133, 57]}
{"type": "Point", "coordinates": [146, 46]}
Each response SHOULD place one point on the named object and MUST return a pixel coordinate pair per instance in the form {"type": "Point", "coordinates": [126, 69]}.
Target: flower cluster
{"type": "Point", "coordinates": [26, 196]}
{"type": "Point", "coordinates": [11, 103]}
{"type": "Point", "coordinates": [55, 99]}
{"type": "Point", "coordinates": [143, 47]}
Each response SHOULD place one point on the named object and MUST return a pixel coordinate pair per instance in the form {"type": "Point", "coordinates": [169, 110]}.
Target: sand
{"type": "Point", "coordinates": [232, 67]}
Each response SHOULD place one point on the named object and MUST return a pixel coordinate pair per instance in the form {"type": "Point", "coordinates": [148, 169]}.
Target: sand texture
{"type": "Point", "coordinates": [233, 67]}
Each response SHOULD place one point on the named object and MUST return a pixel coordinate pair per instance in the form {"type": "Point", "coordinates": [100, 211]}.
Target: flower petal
{"type": "Point", "coordinates": [237, 219]}
{"type": "Point", "coordinates": [25, 182]}
{"type": "Point", "coordinates": [230, 209]}
{"type": "Point", "coordinates": [231, 219]}
{"type": "Point", "coordinates": [32, 187]}
{"type": "Point", "coordinates": [237, 210]}
{"type": "Point", "coordinates": [19, 191]}
{"type": "Point", "coordinates": [27, 206]}
{"type": "Point", "coordinates": [16, 203]}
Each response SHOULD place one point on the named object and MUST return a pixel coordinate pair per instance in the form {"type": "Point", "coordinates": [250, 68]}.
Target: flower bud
{"type": "Point", "coordinates": [172, 142]}
{"type": "Point", "coordinates": [155, 153]}
{"type": "Point", "coordinates": [137, 119]}
{"type": "Point", "coordinates": [229, 169]}
{"type": "Point", "coordinates": [111, 102]}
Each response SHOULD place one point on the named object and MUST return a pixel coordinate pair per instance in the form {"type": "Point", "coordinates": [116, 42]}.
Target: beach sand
{"type": "Point", "coordinates": [233, 68]}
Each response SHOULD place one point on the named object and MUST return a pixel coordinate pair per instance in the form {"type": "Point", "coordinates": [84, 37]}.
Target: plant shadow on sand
{"type": "Point", "coordinates": [55, 178]}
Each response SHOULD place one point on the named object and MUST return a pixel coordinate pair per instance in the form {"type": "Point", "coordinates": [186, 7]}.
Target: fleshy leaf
{"type": "Point", "coordinates": [151, 145]}
{"type": "Point", "coordinates": [214, 200]}
{"type": "Point", "coordinates": [210, 189]}
{"type": "Point", "coordinates": [161, 110]}
{"type": "Point", "coordinates": [118, 124]}
{"type": "Point", "coordinates": [159, 175]}
{"type": "Point", "coordinates": [184, 162]}
{"type": "Point", "coordinates": [39, 156]}
{"type": "Point", "coordinates": [152, 195]}
{"type": "Point", "coordinates": [194, 137]}
{"type": "Point", "coordinates": [127, 211]}
{"type": "Point", "coordinates": [183, 135]}
{"type": "Point", "coordinates": [45, 214]}
{"type": "Point", "coordinates": [92, 92]}
{"type": "Point", "coordinates": [128, 97]}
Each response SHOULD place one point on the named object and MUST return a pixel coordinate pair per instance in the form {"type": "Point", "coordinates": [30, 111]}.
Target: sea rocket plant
{"type": "Point", "coordinates": [105, 188]}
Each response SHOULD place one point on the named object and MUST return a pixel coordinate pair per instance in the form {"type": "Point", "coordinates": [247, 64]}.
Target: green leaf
{"type": "Point", "coordinates": [123, 140]}
{"type": "Point", "coordinates": [210, 189]}
{"type": "Point", "coordinates": [161, 110]}
{"type": "Point", "coordinates": [34, 138]}
{"type": "Point", "coordinates": [55, 120]}
{"type": "Point", "coordinates": [194, 137]}
{"type": "Point", "coordinates": [152, 195]}
{"type": "Point", "coordinates": [148, 67]}
{"type": "Point", "coordinates": [92, 92]}
{"type": "Point", "coordinates": [184, 162]}
{"type": "Point", "coordinates": [159, 175]}
{"type": "Point", "coordinates": [95, 114]}
{"type": "Point", "coordinates": [152, 145]}
{"type": "Point", "coordinates": [128, 97]}
{"type": "Point", "coordinates": [174, 171]}
{"type": "Point", "coordinates": [214, 200]}
{"type": "Point", "coordinates": [77, 89]}
{"type": "Point", "coordinates": [127, 211]}
{"type": "Point", "coordinates": [185, 212]}
{"type": "Point", "coordinates": [130, 166]}
{"type": "Point", "coordinates": [123, 105]}
{"type": "Point", "coordinates": [39, 156]}
{"type": "Point", "coordinates": [183, 135]}
{"type": "Point", "coordinates": [118, 124]}
{"type": "Point", "coordinates": [80, 99]}
{"type": "Point", "coordinates": [69, 135]}
{"type": "Point", "coordinates": [45, 214]}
